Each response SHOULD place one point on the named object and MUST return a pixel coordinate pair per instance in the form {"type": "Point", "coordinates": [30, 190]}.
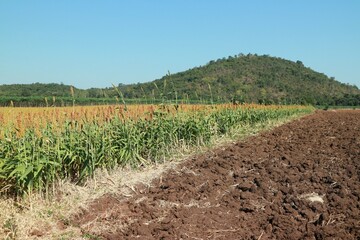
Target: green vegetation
{"type": "Point", "coordinates": [251, 78]}
{"type": "Point", "coordinates": [35, 160]}
{"type": "Point", "coordinates": [240, 78]}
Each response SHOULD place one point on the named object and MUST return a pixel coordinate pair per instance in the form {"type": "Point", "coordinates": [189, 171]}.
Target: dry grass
{"type": "Point", "coordinates": [312, 197]}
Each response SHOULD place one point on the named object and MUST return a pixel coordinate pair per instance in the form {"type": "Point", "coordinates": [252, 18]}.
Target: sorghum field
{"type": "Point", "coordinates": [39, 146]}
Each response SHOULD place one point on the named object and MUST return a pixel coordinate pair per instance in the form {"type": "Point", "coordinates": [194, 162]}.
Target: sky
{"type": "Point", "coordinates": [89, 43]}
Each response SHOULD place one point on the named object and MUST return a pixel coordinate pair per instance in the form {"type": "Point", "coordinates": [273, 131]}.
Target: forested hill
{"type": "Point", "coordinates": [38, 90]}
{"type": "Point", "coordinates": [240, 78]}
{"type": "Point", "coordinates": [39, 94]}
{"type": "Point", "coordinates": [250, 78]}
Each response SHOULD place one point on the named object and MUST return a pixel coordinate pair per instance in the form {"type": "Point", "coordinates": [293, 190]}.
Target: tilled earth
{"type": "Point", "coordinates": [298, 181]}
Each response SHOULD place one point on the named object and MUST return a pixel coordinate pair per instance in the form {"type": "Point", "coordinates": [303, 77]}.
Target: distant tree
{"type": "Point", "coordinates": [25, 92]}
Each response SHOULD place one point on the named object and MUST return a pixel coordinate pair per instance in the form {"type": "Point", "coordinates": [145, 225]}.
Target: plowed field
{"type": "Point", "coordinates": [298, 181]}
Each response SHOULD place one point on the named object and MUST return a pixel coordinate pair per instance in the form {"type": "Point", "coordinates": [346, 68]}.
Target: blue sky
{"type": "Point", "coordinates": [88, 43]}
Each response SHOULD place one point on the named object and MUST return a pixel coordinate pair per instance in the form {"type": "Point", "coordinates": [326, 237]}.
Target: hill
{"type": "Point", "coordinates": [249, 78]}
{"type": "Point", "coordinates": [240, 78]}
{"type": "Point", "coordinates": [36, 89]}
{"type": "Point", "coordinates": [34, 94]}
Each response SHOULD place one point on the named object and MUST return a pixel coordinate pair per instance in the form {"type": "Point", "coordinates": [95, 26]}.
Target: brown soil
{"type": "Point", "coordinates": [260, 188]}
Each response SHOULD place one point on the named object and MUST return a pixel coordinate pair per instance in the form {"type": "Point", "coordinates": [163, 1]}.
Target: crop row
{"type": "Point", "coordinates": [36, 159]}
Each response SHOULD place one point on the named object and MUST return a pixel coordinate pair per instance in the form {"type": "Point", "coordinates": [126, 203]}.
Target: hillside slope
{"type": "Point", "coordinates": [249, 78]}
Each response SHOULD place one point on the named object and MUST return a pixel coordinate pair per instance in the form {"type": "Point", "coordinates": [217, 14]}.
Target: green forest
{"type": "Point", "coordinates": [240, 78]}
